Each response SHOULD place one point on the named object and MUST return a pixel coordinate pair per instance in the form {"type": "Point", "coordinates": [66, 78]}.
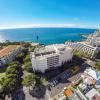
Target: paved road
{"type": "Point", "coordinates": [54, 90]}
{"type": "Point", "coordinates": [57, 89]}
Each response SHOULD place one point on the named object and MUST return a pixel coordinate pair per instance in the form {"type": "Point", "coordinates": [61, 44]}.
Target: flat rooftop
{"type": "Point", "coordinates": [49, 49]}
{"type": "Point", "coordinates": [7, 50]}
{"type": "Point", "coordinates": [45, 53]}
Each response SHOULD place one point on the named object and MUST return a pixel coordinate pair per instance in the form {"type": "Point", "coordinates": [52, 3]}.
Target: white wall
{"type": "Point", "coordinates": [66, 56]}
{"type": "Point", "coordinates": [40, 64]}
{"type": "Point", "coordinates": [10, 57]}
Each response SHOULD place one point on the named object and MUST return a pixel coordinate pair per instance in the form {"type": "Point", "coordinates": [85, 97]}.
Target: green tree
{"type": "Point", "coordinates": [27, 58]}
{"type": "Point", "coordinates": [32, 48]}
{"type": "Point", "coordinates": [97, 65]}
{"type": "Point", "coordinates": [29, 80]}
{"type": "Point", "coordinates": [25, 44]}
{"type": "Point", "coordinates": [14, 63]}
{"type": "Point", "coordinates": [20, 57]}
{"type": "Point", "coordinates": [97, 55]}
{"type": "Point", "coordinates": [78, 54]}
{"type": "Point", "coordinates": [28, 66]}
{"type": "Point", "coordinates": [38, 81]}
{"type": "Point", "coordinates": [81, 54]}
{"type": "Point", "coordinates": [12, 81]}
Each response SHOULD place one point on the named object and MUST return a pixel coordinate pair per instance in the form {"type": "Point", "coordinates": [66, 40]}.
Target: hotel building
{"type": "Point", "coordinates": [50, 56]}
{"type": "Point", "coordinates": [83, 47]}
{"type": "Point", "coordinates": [9, 53]}
{"type": "Point", "coordinates": [90, 46]}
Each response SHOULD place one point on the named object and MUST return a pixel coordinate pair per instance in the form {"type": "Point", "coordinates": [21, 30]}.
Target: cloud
{"type": "Point", "coordinates": [38, 25]}
{"type": "Point", "coordinates": [50, 25]}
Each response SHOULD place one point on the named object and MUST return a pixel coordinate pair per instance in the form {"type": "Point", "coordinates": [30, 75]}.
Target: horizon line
{"type": "Point", "coordinates": [51, 26]}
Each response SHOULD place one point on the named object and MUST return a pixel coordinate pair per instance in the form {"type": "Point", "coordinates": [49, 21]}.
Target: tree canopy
{"type": "Point", "coordinates": [28, 66]}
{"type": "Point", "coordinates": [29, 80]}
{"type": "Point", "coordinates": [97, 65]}
{"type": "Point", "coordinates": [97, 55]}
{"type": "Point", "coordinates": [27, 58]}
{"type": "Point", "coordinates": [12, 80]}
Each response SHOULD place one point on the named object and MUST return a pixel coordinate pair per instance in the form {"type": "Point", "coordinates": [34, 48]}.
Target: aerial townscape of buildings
{"type": "Point", "coordinates": [90, 46]}
{"type": "Point", "coordinates": [64, 74]}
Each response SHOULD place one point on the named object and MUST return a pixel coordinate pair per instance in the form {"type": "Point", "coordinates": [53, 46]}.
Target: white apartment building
{"type": "Point", "coordinates": [94, 39]}
{"type": "Point", "coordinates": [50, 56]}
{"type": "Point", "coordinates": [83, 47]}
{"type": "Point", "coordinates": [9, 53]}
{"type": "Point", "coordinates": [90, 46]}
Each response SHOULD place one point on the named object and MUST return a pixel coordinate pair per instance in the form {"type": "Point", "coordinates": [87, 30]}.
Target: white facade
{"type": "Point", "coordinates": [50, 56]}
{"type": "Point", "coordinates": [83, 47]}
{"type": "Point", "coordinates": [90, 46]}
{"type": "Point", "coordinates": [9, 53]}
{"type": "Point", "coordinates": [94, 39]}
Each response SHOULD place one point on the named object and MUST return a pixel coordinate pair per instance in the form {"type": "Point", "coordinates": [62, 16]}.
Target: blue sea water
{"type": "Point", "coordinates": [46, 35]}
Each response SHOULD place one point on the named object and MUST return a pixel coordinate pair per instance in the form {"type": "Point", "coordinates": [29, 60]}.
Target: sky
{"type": "Point", "coordinates": [49, 13]}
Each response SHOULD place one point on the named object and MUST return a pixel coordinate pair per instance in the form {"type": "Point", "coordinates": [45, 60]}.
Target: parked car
{"type": "Point", "coordinates": [52, 84]}
{"type": "Point", "coordinates": [59, 79]}
{"type": "Point", "coordinates": [65, 88]}
{"type": "Point", "coordinates": [49, 87]}
{"type": "Point", "coordinates": [55, 82]}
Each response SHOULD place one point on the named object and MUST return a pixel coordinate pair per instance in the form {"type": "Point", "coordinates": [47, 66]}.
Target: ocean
{"type": "Point", "coordinates": [45, 35]}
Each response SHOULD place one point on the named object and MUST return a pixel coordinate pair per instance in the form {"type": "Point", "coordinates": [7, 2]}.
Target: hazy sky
{"type": "Point", "coordinates": [67, 13]}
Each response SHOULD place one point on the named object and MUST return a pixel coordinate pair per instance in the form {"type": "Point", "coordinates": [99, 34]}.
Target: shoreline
{"type": "Point", "coordinates": [83, 37]}
{"type": "Point", "coordinates": [45, 35]}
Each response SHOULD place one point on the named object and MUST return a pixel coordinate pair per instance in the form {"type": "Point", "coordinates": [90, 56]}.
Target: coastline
{"type": "Point", "coordinates": [45, 35]}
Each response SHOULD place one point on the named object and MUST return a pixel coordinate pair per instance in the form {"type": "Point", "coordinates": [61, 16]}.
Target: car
{"type": "Point", "coordinates": [54, 81]}
{"type": "Point", "coordinates": [59, 79]}
{"type": "Point", "coordinates": [52, 84]}
{"type": "Point", "coordinates": [63, 76]}
{"type": "Point", "coordinates": [49, 87]}
{"type": "Point", "coordinates": [65, 88]}
{"type": "Point", "coordinates": [67, 75]}
{"type": "Point", "coordinates": [62, 94]}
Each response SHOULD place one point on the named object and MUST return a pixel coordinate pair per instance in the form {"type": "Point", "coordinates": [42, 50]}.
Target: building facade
{"type": "Point", "coordinates": [90, 46]}
{"type": "Point", "coordinates": [83, 47]}
{"type": "Point", "coordinates": [50, 56]}
{"type": "Point", "coordinates": [9, 53]}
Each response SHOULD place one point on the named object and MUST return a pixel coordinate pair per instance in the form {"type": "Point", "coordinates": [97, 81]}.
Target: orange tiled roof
{"type": "Point", "coordinates": [7, 50]}
{"type": "Point", "coordinates": [93, 81]}
{"type": "Point", "coordinates": [69, 92]}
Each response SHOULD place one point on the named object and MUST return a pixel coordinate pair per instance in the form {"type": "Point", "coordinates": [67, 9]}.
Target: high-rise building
{"type": "Point", "coordinates": [50, 56]}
